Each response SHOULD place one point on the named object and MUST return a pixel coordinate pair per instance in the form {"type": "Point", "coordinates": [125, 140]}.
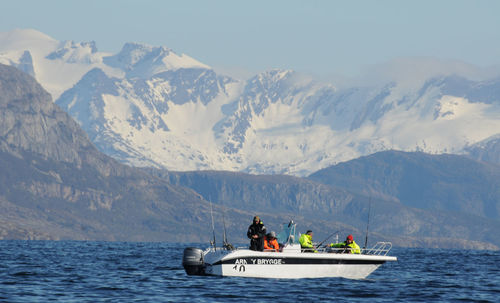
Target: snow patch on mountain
{"type": "Point", "coordinates": [144, 61]}
{"type": "Point", "coordinates": [164, 146]}
{"type": "Point", "coordinates": [27, 39]}
{"type": "Point", "coordinates": [71, 52]}
{"type": "Point", "coordinates": [149, 106]}
{"type": "Point", "coordinates": [56, 65]}
{"type": "Point", "coordinates": [21, 60]}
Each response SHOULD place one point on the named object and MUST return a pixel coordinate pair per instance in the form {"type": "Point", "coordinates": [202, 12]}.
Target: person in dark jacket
{"type": "Point", "coordinates": [256, 233]}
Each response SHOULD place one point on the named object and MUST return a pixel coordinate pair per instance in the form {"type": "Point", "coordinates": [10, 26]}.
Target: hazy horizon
{"type": "Point", "coordinates": [323, 38]}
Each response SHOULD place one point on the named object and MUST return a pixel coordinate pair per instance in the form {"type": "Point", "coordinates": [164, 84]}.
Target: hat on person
{"type": "Point", "coordinates": [256, 218]}
{"type": "Point", "coordinates": [271, 235]}
{"type": "Point", "coordinates": [350, 238]}
{"type": "Point", "coordinates": [309, 232]}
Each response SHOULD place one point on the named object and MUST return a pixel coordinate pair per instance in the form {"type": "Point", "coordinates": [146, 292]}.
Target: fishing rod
{"type": "Point", "coordinates": [320, 243]}
{"type": "Point", "coordinates": [226, 243]}
{"type": "Point", "coordinates": [224, 240]}
{"type": "Point", "coordinates": [368, 221]}
{"type": "Point", "coordinates": [213, 226]}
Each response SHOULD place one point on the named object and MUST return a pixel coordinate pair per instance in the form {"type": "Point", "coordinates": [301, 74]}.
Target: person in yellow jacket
{"type": "Point", "coordinates": [349, 246]}
{"type": "Point", "coordinates": [306, 243]}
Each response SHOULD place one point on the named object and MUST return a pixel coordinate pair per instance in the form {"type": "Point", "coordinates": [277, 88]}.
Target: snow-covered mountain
{"type": "Point", "coordinates": [148, 106]}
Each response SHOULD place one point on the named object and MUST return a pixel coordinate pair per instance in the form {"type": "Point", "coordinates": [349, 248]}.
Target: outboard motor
{"type": "Point", "coordinates": [192, 260]}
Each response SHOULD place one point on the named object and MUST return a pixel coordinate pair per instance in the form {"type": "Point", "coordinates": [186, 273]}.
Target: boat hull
{"type": "Point", "coordinates": [281, 265]}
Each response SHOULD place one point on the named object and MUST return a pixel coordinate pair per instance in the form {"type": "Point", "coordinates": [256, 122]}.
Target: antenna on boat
{"type": "Point", "coordinates": [368, 221]}
{"type": "Point", "coordinates": [213, 226]}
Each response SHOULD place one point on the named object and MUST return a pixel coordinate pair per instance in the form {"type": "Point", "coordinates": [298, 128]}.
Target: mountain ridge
{"type": "Point", "coordinates": [436, 182]}
{"type": "Point", "coordinates": [276, 122]}
{"type": "Point", "coordinates": [391, 219]}
{"type": "Point", "coordinates": [54, 184]}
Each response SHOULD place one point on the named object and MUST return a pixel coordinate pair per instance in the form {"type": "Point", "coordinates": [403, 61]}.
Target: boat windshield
{"type": "Point", "coordinates": [287, 235]}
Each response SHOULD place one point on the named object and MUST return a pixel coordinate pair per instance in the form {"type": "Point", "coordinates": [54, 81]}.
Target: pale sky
{"type": "Point", "coordinates": [316, 37]}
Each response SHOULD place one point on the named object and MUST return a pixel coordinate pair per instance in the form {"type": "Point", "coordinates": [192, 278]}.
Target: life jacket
{"type": "Point", "coordinates": [353, 247]}
{"type": "Point", "coordinates": [306, 241]}
{"type": "Point", "coordinates": [256, 229]}
{"type": "Point", "coordinates": [271, 244]}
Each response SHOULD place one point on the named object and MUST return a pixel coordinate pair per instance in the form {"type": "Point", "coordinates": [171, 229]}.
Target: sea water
{"type": "Point", "coordinates": [72, 271]}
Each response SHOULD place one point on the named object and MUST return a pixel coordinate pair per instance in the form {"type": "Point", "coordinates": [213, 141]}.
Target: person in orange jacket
{"type": "Point", "coordinates": [270, 242]}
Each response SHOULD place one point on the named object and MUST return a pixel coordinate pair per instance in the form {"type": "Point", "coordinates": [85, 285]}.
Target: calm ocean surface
{"type": "Point", "coordinates": [69, 271]}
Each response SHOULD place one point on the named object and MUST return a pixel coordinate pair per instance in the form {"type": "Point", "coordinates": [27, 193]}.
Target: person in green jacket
{"type": "Point", "coordinates": [306, 243]}
{"type": "Point", "coordinates": [349, 246]}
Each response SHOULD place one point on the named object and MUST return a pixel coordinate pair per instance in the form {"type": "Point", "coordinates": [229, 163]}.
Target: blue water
{"type": "Point", "coordinates": [67, 271]}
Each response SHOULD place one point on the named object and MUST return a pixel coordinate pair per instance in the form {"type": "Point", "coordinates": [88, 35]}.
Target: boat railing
{"type": "Point", "coordinates": [327, 249]}
{"type": "Point", "coordinates": [222, 249]}
{"type": "Point", "coordinates": [379, 249]}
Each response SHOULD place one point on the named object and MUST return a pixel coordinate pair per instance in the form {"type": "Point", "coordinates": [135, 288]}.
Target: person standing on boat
{"type": "Point", "coordinates": [306, 242]}
{"type": "Point", "coordinates": [349, 245]}
{"type": "Point", "coordinates": [270, 242]}
{"type": "Point", "coordinates": [255, 233]}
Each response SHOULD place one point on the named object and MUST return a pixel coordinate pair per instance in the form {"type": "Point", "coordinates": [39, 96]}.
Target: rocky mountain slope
{"type": "Point", "coordinates": [347, 211]}
{"type": "Point", "coordinates": [487, 150]}
{"type": "Point", "coordinates": [148, 106]}
{"type": "Point", "coordinates": [445, 182]}
{"type": "Point", "coordinates": [54, 184]}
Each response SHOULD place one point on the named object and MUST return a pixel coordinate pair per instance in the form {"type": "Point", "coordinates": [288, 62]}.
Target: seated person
{"type": "Point", "coordinates": [349, 246]}
{"type": "Point", "coordinates": [270, 242]}
{"type": "Point", "coordinates": [306, 243]}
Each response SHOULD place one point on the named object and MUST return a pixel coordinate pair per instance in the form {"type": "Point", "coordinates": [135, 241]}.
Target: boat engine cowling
{"type": "Point", "coordinates": [192, 260]}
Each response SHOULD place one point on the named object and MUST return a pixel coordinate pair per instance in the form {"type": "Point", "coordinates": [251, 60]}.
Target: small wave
{"type": "Point", "coordinates": [24, 273]}
{"type": "Point", "coordinates": [127, 268]}
{"type": "Point", "coordinates": [109, 288]}
{"type": "Point", "coordinates": [168, 268]}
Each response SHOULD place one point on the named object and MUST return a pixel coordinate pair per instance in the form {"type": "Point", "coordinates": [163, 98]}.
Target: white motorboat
{"type": "Point", "coordinates": [291, 262]}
